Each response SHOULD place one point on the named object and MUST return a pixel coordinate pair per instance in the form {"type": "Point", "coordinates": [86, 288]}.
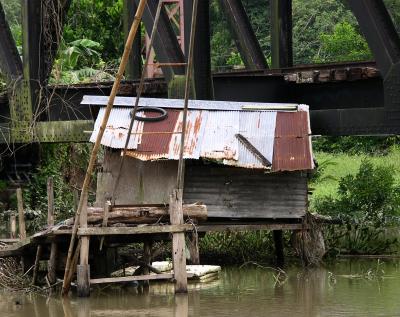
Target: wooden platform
{"type": "Point", "coordinates": [61, 232]}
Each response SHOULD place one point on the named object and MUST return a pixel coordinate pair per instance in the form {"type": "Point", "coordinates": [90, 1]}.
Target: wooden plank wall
{"type": "Point", "coordinates": [228, 192]}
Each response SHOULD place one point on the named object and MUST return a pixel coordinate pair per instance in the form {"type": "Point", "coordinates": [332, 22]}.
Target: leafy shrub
{"type": "Point", "coordinates": [355, 144]}
{"type": "Point", "coordinates": [367, 203]}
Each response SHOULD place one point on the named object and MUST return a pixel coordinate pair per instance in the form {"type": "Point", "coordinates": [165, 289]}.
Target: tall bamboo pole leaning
{"type": "Point", "coordinates": [96, 147]}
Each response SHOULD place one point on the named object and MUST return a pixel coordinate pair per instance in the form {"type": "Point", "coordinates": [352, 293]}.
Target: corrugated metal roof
{"type": "Point", "coordinates": [280, 137]}
{"type": "Point", "coordinates": [193, 104]}
{"type": "Point", "coordinates": [292, 142]}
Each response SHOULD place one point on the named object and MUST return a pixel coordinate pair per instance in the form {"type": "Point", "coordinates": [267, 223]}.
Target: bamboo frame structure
{"type": "Point", "coordinates": [85, 187]}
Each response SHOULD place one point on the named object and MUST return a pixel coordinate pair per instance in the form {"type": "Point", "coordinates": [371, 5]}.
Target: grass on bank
{"type": "Point", "coordinates": [334, 166]}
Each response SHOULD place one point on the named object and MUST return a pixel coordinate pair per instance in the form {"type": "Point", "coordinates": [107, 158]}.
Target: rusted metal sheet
{"type": "Point", "coordinates": [280, 137]}
{"type": "Point", "coordinates": [292, 148]}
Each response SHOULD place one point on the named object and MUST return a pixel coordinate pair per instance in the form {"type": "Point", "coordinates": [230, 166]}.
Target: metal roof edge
{"type": "Point", "coordinates": [193, 104]}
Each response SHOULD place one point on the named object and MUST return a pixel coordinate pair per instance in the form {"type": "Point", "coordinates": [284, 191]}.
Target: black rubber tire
{"type": "Point", "coordinates": [163, 114]}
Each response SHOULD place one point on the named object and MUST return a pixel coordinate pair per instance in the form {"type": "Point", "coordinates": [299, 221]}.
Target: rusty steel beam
{"type": "Point", "coordinates": [243, 34]}
{"type": "Point", "coordinates": [384, 42]}
{"type": "Point", "coordinates": [202, 50]}
{"type": "Point", "coordinates": [281, 33]}
{"type": "Point", "coordinates": [166, 44]}
{"type": "Point", "coordinates": [134, 67]}
{"type": "Point", "coordinates": [42, 23]}
{"type": "Point", "coordinates": [379, 31]}
{"type": "Point", "coordinates": [10, 61]}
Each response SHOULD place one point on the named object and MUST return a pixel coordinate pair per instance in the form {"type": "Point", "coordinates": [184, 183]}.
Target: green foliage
{"type": "Point", "coordinates": [344, 44]}
{"type": "Point", "coordinates": [66, 163]}
{"type": "Point", "coordinates": [356, 144]}
{"type": "Point", "coordinates": [79, 53]}
{"type": "Point", "coordinates": [97, 20]}
{"type": "Point", "coordinates": [79, 61]}
{"type": "Point", "coordinates": [311, 19]}
{"type": "Point", "coordinates": [237, 247]}
{"type": "Point", "coordinates": [12, 10]}
{"type": "Point", "coordinates": [234, 60]}
{"type": "Point", "coordinates": [366, 202]}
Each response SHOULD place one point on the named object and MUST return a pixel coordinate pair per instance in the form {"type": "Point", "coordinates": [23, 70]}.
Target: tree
{"type": "Point", "coordinates": [344, 44]}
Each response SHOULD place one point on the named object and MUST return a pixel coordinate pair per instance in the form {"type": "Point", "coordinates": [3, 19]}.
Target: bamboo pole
{"type": "Point", "coordinates": [96, 147]}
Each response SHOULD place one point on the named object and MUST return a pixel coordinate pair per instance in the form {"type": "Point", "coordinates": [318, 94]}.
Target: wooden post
{"type": "Point", "coordinates": [147, 246]}
{"type": "Point", "coordinates": [21, 216]}
{"type": "Point", "coordinates": [37, 264]}
{"type": "Point", "coordinates": [93, 157]}
{"type": "Point", "coordinates": [178, 242]}
{"type": "Point", "coordinates": [193, 245]}
{"type": "Point", "coordinates": [181, 308]}
{"type": "Point", "coordinates": [13, 226]}
{"type": "Point", "coordinates": [106, 212]}
{"type": "Point", "coordinates": [50, 202]}
{"type": "Point", "coordinates": [76, 199]}
{"type": "Point", "coordinates": [52, 263]}
{"type": "Point", "coordinates": [83, 270]}
{"type": "Point", "coordinates": [278, 240]}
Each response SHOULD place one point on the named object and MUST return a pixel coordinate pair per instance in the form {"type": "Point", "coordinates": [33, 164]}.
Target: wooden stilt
{"type": "Point", "coordinates": [50, 202]}
{"type": "Point", "coordinates": [181, 308]}
{"type": "Point", "coordinates": [83, 280]}
{"type": "Point", "coordinates": [83, 270]}
{"type": "Point", "coordinates": [278, 240]}
{"type": "Point", "coordinates": [21, 216]}
{"type": "Point", "coordinates": [178, 243]}
{"type": "Point", "coordinates": [37, 264]}
{"type": "Point", "coordinates": [147, 246]}
{"type": "Point", "coordinates": [193, 245]}
{"type": "Point", "coordinates": [13, 226]}
{"type": "Point", "coordinates": [52, 263]}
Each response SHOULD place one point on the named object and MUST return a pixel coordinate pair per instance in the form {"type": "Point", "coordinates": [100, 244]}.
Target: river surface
{"type": "Point", "coordinates": [346, 288]}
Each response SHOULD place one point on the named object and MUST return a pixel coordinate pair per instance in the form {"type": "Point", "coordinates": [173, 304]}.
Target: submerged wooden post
{"type": "Point", "coordinates": [193, 246]}
{"type": "Point", "coordinates": [13, 226]}
{"type": "Point", "coordinates": [21, 216]}
{"type": "Point", "coordinates": [178, 242]}
{"type": "Point", "coordinates": [83, 269]}
{"type": "Point", "coordinates": [278, 241]}
{"type": "Point", "coordinates": [181, 308]}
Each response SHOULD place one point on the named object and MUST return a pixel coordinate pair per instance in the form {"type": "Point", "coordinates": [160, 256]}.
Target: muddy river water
{"type": "Point", "coordinates": [345, 288]}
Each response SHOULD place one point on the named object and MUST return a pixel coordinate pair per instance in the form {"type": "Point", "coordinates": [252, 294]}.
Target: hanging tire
{"type": "Point", "coordinates": [163, 114]}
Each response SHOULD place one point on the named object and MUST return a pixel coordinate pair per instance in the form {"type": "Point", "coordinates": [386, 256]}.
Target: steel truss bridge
{"type": "Point", "coordinates": [361, 98]}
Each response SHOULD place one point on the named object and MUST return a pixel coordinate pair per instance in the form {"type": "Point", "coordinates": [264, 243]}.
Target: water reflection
{"type": "Point", "coordinates": [332, 291]}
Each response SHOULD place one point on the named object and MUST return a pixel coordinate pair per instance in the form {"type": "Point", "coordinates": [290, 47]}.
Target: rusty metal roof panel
{"type": "Point", "coordinates": [292, 149]}
{"type": "Point", "coordinates": [281, 138]}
